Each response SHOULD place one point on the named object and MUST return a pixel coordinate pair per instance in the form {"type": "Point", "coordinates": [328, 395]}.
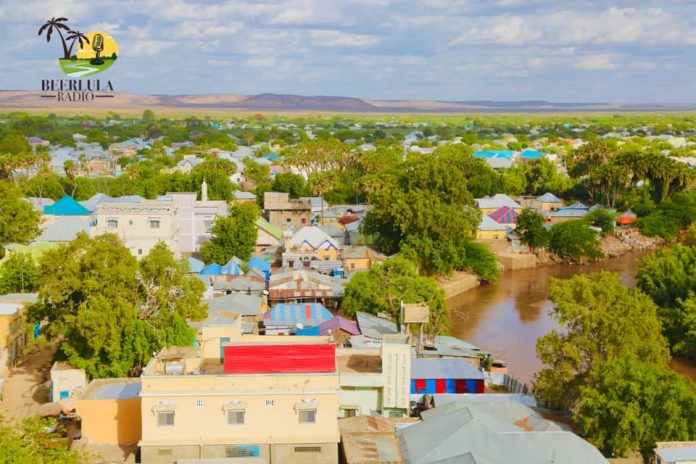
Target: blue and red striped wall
{"type": "Point", "coordinates": [433, 386]}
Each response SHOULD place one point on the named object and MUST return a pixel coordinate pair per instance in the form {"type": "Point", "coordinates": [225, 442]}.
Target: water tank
{"type": "Point", "coordinates": [174, 368]}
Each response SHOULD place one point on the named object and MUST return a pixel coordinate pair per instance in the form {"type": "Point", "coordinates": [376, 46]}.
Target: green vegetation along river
{"type": "Point", "coordinates": [506, 317]}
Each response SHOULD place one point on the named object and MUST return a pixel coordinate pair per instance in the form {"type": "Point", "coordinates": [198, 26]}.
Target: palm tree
{"type": "Point", "coordinates": [56, 24]}
{"type": "Point", "coordinates": [76, 36]}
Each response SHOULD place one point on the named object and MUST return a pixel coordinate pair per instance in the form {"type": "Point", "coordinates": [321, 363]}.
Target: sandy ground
{"type": "Point", "coordinates": [25, 387]}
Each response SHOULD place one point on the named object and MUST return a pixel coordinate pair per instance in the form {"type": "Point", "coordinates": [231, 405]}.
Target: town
{"type": "Point", "coordinates": [270, 288]}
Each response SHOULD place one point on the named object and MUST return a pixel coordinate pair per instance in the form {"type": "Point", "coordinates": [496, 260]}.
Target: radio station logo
{"type": "Point", "coordinates": [84, 55]}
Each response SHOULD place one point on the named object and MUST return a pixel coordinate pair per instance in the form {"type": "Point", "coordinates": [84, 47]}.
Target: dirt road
{"type": "Point", "coordinates": [24, 384]}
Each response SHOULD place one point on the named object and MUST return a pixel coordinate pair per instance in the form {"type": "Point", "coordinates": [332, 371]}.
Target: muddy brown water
{"type": "Point", "coordinates": [506, 317]}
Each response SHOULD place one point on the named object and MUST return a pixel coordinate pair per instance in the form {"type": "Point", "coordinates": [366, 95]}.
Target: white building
{"type": "Point", "coordinates": [140, 226]}
{"type": "Point", "coordinates": [196, 217]}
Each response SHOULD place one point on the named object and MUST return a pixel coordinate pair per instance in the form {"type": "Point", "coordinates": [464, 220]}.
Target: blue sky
{"type": "Point", "coordinates": [562, 51]}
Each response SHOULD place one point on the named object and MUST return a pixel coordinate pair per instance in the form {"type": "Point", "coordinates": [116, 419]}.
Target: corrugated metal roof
{"type": "Point", "coordinates": [374, 327]}
{"type": "Point", "coordinates": [497, 201]}
{"type": "Point", "coordinates": [444, 368]}
{"type": "Point", "coordinates": [66, 206]}
{"type": "Point", "coordinates": [291, 314]}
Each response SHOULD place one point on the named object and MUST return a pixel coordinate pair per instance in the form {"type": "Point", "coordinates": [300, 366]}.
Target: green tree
{"type": "Point", "coordinates": [384, 287]}
{"type": "Point", "coordinates": [18, 273]}
{"type": "Point", "coordinates": [294, 184]}
{"type": "Point", "coordinates": [601, 320]}
{"type": "Point", "coordinates": [110, 311]}
{"type": "Point", "coordinates": [233, 235]}
{"type": "Point", "coordinates": [19, 221]}
{"type": "Point", "coordinates": [629, 405]}
{"type": "Point", "coordinates": [148, 116]}
{"type": "Point", "coordinates": [574, 240]}
{"type": "Point", "coordinates": [28, 441]}
{"type": "Point", "coordinates": [256, 173]}
{"type": "Point", "coordinates": [530, 225]}
{"type": "Point", "coordinates": [602, 218]}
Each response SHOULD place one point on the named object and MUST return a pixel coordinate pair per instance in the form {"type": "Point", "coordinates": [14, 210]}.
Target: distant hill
{"type": "Point", "coordinates": [24, 100]}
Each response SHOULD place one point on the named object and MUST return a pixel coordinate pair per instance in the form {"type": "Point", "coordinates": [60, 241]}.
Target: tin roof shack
{"type": "Point", "coordinates": [110, 411]}
{"type": "Point", "coordinates": [375, 381]}
{"type": "Point", "coordinates": [492, 434]}
{"type": "Point", "coordinates": [443, 375]}
{"type": "Point", "coordinates": [66, 381]}
{"type": "Point", "coordinates": [675, 452]}
{"type": "Point", "coordinates": [369, 440]}
{"type": "Point", "coordinates": [274, 401]}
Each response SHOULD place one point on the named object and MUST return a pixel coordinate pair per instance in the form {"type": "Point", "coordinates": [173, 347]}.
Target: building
{"type": "Point", "coordinates": [140, 225]}
{"type": "Point", "coordinates": [445, 375]}
{"type": "Point", "coordinates": [492, 432]}
{"type": "Point", "coordinates": [13, 334]}
{"type": "Point", "coordinates": [369, 440]}
{"type": "Point", "coordinates": [361, 258]}
{"type": "Point", "coordinates": [338, 329]}
{"type": "Point", "coordinates": [567, 213]}
{"type": "Point", "coordinates": [286, 318]}
{"type": "Point", "coordinates": [504, 215]}
{"type": "Point", "coordinates": [66, 381]}
{"type": "Point", "coordinates": [311, 248]}
{"type": "Point", "coordinates": [304, 285]}
{"type": "Point", "coordinates": [284, 212]}
{"type": "Point", "coordinates": [488, 229]}
{"type": "Point", "coordinates": [196, 217]}
{"type": "Point", "coordinates": [497, 201]}
{"type": "Point", "coordinates": [277, 402]}
{"type": "Point", "coordinates": [66, 206]}
{"type": "Point", "coordinates": [268, 236]}
{"type": "Point", "coordinates": [675, 452]}
{"type": "Point", "coordinates": [110, 412]}
{"type": "Point", "coordinates": [549, 202]}
{"type": "Point", "coordinates": [374, 381]}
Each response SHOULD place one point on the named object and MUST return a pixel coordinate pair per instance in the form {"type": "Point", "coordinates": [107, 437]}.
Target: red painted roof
{"type": "Point", "coordinates": [280, 358]}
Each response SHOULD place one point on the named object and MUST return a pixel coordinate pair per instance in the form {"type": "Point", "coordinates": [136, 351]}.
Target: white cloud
{"type": "Point", "coordinates": [322, 38]}
{"type": "Point", "coordinates": [149, 47]}
{"type": "Point", "coordinates": [596, 62]}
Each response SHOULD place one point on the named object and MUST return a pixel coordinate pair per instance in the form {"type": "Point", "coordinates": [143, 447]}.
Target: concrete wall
{"type": "Point", "coordinates": [116, 422]}
{"type": "Point", "coordinates": [491, 234]}
{"type": "Point", "coordinates": [71, 380]}
{"type": "Point", "coordinates": [310, 453]}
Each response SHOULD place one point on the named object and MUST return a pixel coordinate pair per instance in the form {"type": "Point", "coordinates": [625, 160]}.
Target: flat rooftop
{"type": "Point", "coordinates": [358, 363]}
{"type": "Point", "coordinates": [112, 389]}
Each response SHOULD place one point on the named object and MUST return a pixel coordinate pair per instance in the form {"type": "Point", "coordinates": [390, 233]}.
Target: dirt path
{"type": "Point", "coordinates": [24, 384]}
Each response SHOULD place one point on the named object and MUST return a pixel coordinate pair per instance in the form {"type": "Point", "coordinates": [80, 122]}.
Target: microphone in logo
{"type": "Point", "coordinates": [97, 46]}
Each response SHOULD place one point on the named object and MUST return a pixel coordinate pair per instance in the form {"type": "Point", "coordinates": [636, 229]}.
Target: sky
{"type": "Point", "coordinates": [505, 50]}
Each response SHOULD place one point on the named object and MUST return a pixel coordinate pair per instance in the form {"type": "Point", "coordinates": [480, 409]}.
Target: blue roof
{"type": "Point", "coordinates": [311, 331]}
{"type": "Point", "coordinates": [494, 154]}
{"type": "Point", "coordinates": [271, 156]}
{"type": "Point", "coordinates": [195, 265]}
{"type": "Point", "coordinates": [260, 264]}
{"type": "Point", "coordinates": [291, 314]}
{"type": "Point", "coordinates": [233, 267]}
{"type": "Point", "coordinates": [549, 197]}
{"type": "Point", "coordinates": [212, 269]}
{"type": "Point", "coordinates": [66, 206]}
{"type": "Point", "coordinates": [532, 154]}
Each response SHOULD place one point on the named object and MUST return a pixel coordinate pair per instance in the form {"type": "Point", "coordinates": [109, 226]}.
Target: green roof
{"type": "Point", "coordinates": [270, 228]}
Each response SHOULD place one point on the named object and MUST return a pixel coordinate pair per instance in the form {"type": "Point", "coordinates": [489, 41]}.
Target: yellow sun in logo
{"type": "Point", "coordinates": [99, 42]}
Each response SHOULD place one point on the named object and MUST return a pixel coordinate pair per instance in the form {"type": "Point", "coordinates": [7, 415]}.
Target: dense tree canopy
{"type": "Point", "coordinates": [601, 320]}
{"type": "Point", "coordinates": [28, 441]}
{"type": "Point", "coordinates": [233, 235]}
{"type": "Point", "coordinates": [627, 404]}
{"type": "Point", "coordinates": [384, 287]}
{"type": "Point", "coordinates": [19, 221]}
{"type": "Point", "coordinates": [111, 311]}
{"type": "Point", "coordinates": [18, 273]}
{"type": "Point", "coordinates": [574, 240]}
{"type": "Point", "coordinates": [293, 184]}
{"type": "Point", "coordinates": [530, 225]}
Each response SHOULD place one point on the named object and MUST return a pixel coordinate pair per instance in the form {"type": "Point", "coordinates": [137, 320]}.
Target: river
{"type": "Point", "coordinates": [506, 317]}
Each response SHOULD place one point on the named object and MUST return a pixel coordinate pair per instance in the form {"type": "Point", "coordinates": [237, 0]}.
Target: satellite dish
{"type": "Point", "coordinates": [299, 326]}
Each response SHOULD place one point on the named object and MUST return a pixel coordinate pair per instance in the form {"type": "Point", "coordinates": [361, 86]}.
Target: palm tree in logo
{"type": "Point", "coordinates": [56, 24]}
{"type": "Point", "coordinates": [76, 36]}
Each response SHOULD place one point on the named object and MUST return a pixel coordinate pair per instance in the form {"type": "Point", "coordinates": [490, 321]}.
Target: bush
{"type": "Point", "coordinates": [602, 218]}
{"type": "Point", "coordinates": [574, 240]}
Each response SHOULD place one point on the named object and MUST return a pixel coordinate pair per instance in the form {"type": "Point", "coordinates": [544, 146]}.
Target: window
{"type": "Point", "coordinates": [154, 223]}
{"type": "Point", "coordinates": [164, 452]}
{"type": "Point", "coordinates": [352, 265]}
{"type": "Point", "coordinates": [140, 251]}
{"type": "Point", "coordinates": [308, 416]}
{"type": "Point", "coordinates": [112, 223]}
{"type": "Point", "coordinates": [130, 222]}
{"type": "Point", "coordinates": [350, 412]}
{"type": "Point", "coordinates": [304, 220]}
{"type": "Point", "coordinates": [235, 417]}
{"type": "Point", "coordinates": [208, 226]}
{"type": "Point", "coordinates": [288, 220]}
{"type": "Point", "coordinates": [242, 451]}
{"type": "Point", "coordinates": [165, 419]}
{"type": "Point", "coordinates": [199, 403]}
{"type": "Point", "coordinates": [270, 403]}
{"type": "Point", "coordinates": [308, 449]}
